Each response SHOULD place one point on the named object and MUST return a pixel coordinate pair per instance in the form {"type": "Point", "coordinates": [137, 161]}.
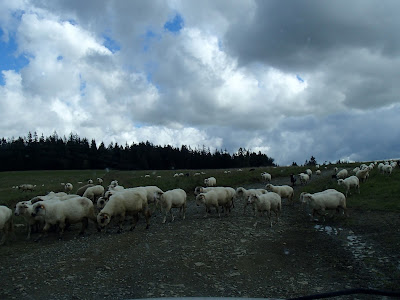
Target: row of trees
{"type": "Point", "coordinates": [56, 153]}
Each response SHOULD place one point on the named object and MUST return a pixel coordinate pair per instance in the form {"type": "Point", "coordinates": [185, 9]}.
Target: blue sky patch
{"type": "Point", "coordinates": [111, 44]}
{"type": "Point", "coordinates": [175, 24]}
{"type": "Point", "coordinates": [299, 78]}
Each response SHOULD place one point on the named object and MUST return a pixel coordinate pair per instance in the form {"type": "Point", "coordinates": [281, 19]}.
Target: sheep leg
{"type": "Point", "coordinates": [85, 222]}
{"type": "Point", "coordinates": [147, 216]}
{"type": "Point", "coordinates": [44, 233]}
{"type": "Point", "coordinates": [134, 221]}
{"type": "Point", "coordinates": [270, 220]}
{"type": "Point", "coordinates": [121, 220]}
{"type": "Point", "coordinates": [172, 215]}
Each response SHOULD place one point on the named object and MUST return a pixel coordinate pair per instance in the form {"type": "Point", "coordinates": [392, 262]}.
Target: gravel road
{"type": "Point", "coordinates": [232, 256]}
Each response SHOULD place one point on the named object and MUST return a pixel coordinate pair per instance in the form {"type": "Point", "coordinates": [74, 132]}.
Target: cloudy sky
{"type": "Point", "coordinates": [291, 79]}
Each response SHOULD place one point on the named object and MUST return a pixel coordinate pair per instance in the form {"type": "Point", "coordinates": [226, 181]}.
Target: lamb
{"type": "Point", "coordinates": [73, 210]}
{"type": "Point", "coordinates": [267, 202]}
{"type": "Point", "coordinates": [27, 187]}
{"type": "Point", "coordinates": [242, 193]}
{"type": "Point", "coordinates": [350, 182]}
{"type": "Point", "coordinates": [6, 223]}
{"type": "Point", "coordinates": [68, 187]}
{"type": "Point", "coordinates": [129, 201]}
{"type": "Point", "coordinates": [363, 174]}
{"type": "Point", "coordinates": [94, 192]}
{"type": "Point", "coordinates": [304, 178]}
{"type": "Point", "coordinates": [326, 200]}
{"type": "Point", "coordinates": [342, 174]}
{"type": "Point", "coordinates": [266, 176]}
{"type": "Point", "coordinates": [284, 191]}
{"type": "Point", "coordinates": [175, 198]}
{"type": "Point", "coordinates": [209, 199]}
{"type": "Point", "coordinates": [82, 189]}
{"type": "Point", "coordinates": [211, 181]}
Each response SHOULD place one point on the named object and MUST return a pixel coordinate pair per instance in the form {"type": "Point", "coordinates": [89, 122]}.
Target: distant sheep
{"type": "Point", "coordinates": [90, 181]}
{"type": "Point", "coordinates": [100, 181]}
{"type": "Point", "coordinates": [266, 177]}
{"type": "Point", "coordinates": [304, 178]}
{"type": "Point", "coordinates": [387, 169]}
{"type": "Point", "coordinates": [82, 189]}
{"type": "Point", "coordinates": [27, 187]}
{"type": "Point", "coordinates": [94, 192]}
{"type": "Point", "coordinates": [363, 174]}
{"type": "Point", "coordinates": [211, 181]}
{"type": "Point", "coordinates": [318, 172]}
{"type": "Point", "coordinates": [68, 187]}
{"type": "Point", "coordinates": [342, 174]}
{"type": "Point", "coordinates": [309, 172]}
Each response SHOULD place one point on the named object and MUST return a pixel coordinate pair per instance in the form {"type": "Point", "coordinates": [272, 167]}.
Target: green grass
{"type": "Point", "coordinates": [378, 193]}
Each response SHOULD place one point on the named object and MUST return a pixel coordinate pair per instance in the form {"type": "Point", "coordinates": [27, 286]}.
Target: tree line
{"type": "Point", "coordinates": [62, 153]}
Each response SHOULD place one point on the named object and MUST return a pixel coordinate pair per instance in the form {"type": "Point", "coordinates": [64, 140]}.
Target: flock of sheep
{"type": "Point", "coordinates": [101, 206]}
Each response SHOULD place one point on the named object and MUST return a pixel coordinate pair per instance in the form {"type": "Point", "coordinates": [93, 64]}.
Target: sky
{"type": "Point", "coordinates": [292, 79]}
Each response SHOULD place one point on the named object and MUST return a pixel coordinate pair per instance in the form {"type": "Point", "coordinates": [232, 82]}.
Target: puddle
{"type": "Point", "coordinates": [328, 229]}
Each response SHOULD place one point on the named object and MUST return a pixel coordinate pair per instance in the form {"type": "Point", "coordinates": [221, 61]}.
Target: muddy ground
{"type": "Point", "coordinates": [232, 256]}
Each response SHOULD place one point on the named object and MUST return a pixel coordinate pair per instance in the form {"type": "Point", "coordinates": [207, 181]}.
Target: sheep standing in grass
{"type": "Point", "coordinates": [94, 192]}
{"type": "Point", "coordinates": [211, 181]}
{"type": "Point", "coordinates": [73, 210]}
{"type": "Point", "coordinates": [350, 182]}
{"type": "Point", "coordinates": [326, 200]}
{"type": "Point", "coordinates": [318, 172]}
{"type": "Point", "coordinates": [126, 202]}
{"type": "Point", "coordinates": [363, 174]}
{"type": "Point", "coordinates": [267, 203]}
{"type": "Point", "coordinates": [266, 177]}
{"type": "Point", "coordinates": [208, 199]}
{"type": "Point", "coordinates": [68, 187]}
{"type": "Point", "coordinates": [304, 178]}
{"type": "Point", "coordinates": [175, 198]}
{"type": "Point", "coordinates": [27, 187]}
{"type": "Point", "coordinates": [284, 191]}
{"type": "Point", "coordinates": [309, 172]}
{"type": "Point", "coordinates": [342, 174]}
{"type": "Point", "coordinates": [82, 189]}
{"type": "Point", "coordinates": [6, 223]}
{"type": "Point", "coordinates": [387, 169]}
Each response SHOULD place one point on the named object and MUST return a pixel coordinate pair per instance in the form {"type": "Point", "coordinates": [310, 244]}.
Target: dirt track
{"type": "Point", "coordinates": [233, 256]}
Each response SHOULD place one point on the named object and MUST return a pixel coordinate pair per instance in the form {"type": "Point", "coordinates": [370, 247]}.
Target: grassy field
{"type": "Point", "coordinates": [378, 193]}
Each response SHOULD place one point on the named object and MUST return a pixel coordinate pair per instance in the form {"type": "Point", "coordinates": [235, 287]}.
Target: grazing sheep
{"type": "Point", "coordinates": [147, 176]}
{"type": "Point", "coordinates": [82, 189]}
{"type": "Point", "coordinates": [126, 202]}
{"type": "Point", "coordinates": [211, 181]}
{"type": "Point", "coordinates": [208, 199]}
{"type": "Point", "coordinates": [342, 174]}
{"type": "Point", "coordinates": [387, 169]}
{"type": "Point", "coordinates": [284, 191]}
{"type": "Point", "coordinates": [94, 192]}
{"type": "Point", "coordinates": [309, 172]}
{"type": "Point", "coordinates": [326, 200]}
{"type": "Point", "coordinates": [6, 223]}
{"type": "Point", "coordinates": [363, 174]}
{"type": "Point", "coordinates": [318, 172]}
{"type": "Point", "coordinates": [266, 177]}
{"type": "Point", "coordinates": [73, 210]}
{"type": "Point", "coordinates": [196, 174]}
{"type": "Point", "coordinates": [350, 182]}
{"type": "Point", "coordinates": [304, 178]}
{"type": "Point", "coordinates": [355, 170]}
{"type": "Point", "coordinates": [267, 202]}
{"type": "Point", "coordinates": [27, 187]}
{"type": "Point", "coordinates": [175, 198]}
{"type": "Point", "coordinates": [68, 187]}
{"type": "Point", "coordinates": [242, 193]}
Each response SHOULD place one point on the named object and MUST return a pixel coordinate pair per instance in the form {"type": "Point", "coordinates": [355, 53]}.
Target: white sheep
{"type": "Point", "coordinates": [90, 181]}
{"type": "Point", "coordinates": [25, 209]}
{"type": "Point", "coordinates": [267, 202]}
{"type": "Point", "coordinates": [326, 200]}
{"type": "Point", "coordinates": [211, 181]}
{"type": "Point", "coordinates": [342, 174]}
{"type": "Point", "coordinates": [363, 174]}
{"type": "Point", "coordinates": [356, 169]}
{"type": "Point", "coordinates": [94, 192]}
{"type": "Point", "coordinates": [27, 187]}
{"type": "Point", "coordinates": [175, 198]}
{"type": "Point", "coordinates": [113, 183]}
{"type": "Point", "coordinates": [309, 172]}
{"type": "Point", "coordinates": [350, 182]}
{"type": "Point", "coordinates": [266, 177]}
{"type": "Point", "coordinates": [304, 178]}
{"type": "Point", "coordinates": [387, 169]}
{"type": "Point", "coordinates": [100, 181]}
{"type": "Point", "coordinates": [196, 174]}
{"type": "Point", "coordinates": [6, 223]}
{"type": "Point", "coordinates": [318, 172]}
{"type": "Point", "coordinates": [284, 191]}
{"type": "Point", "coordinates": [242, 193]}
{"type": "Point", "coordinates": [73, 210]}
{"type": "Point", "coordinates": [380, 167]}
{"type": "Point", "coordinates": [68, 187]}
{"type": "Point", "coordinates": [126, 202]}
{"type": "Point", "coordinates": [208, 199]}
{"type": "Point", "coordinates": [82, 189]}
